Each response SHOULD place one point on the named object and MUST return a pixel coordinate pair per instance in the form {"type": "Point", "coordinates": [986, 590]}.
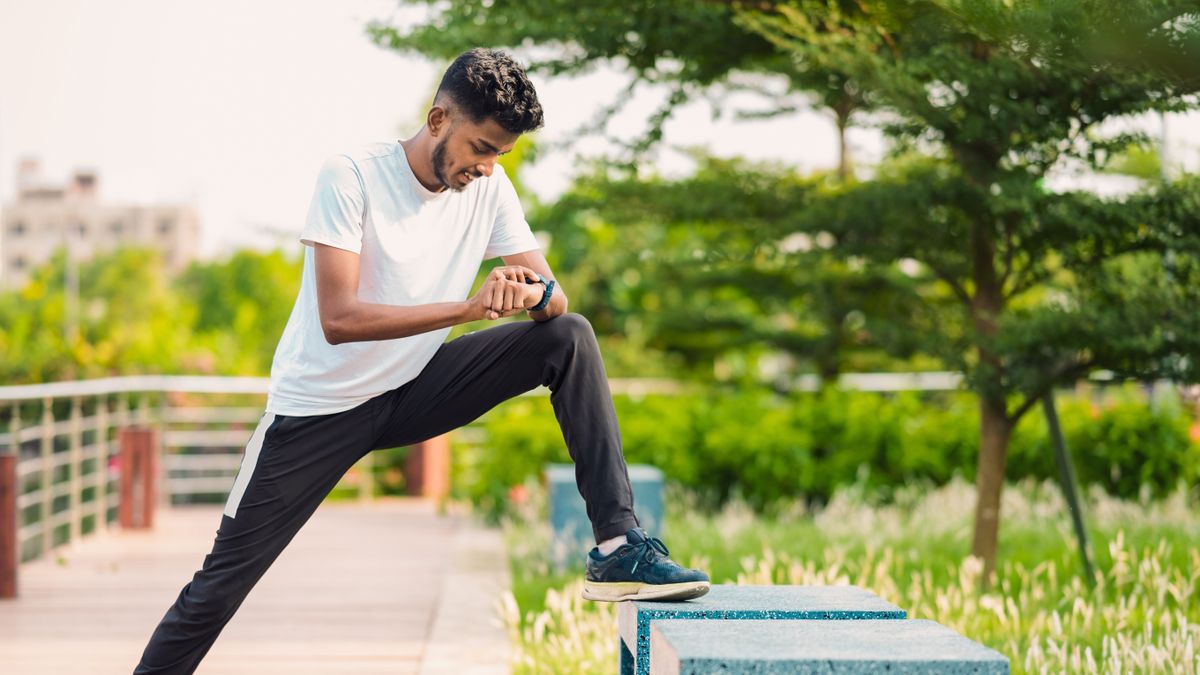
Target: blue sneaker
{"type": "Point", "coordinates": [640, 570]}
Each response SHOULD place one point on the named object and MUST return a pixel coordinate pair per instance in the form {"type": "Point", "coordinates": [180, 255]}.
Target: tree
{"type": "Point", "coordinates": [695, 49]}
{"type": "Point", "coordinates": [1000, 93]}
{"type": "Point", "coordinates": [715, 264]}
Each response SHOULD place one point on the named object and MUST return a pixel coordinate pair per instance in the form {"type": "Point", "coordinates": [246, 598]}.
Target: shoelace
{"type": "Point", "coordinates": [647, 551]}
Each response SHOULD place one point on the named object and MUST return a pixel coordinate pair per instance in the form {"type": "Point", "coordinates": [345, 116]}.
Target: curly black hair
{"type": "Point", "coordinates": [489, 83]}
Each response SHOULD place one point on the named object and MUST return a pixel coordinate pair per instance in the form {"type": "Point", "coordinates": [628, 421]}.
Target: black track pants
{"type": "Point", "coordinates": [292, 463]}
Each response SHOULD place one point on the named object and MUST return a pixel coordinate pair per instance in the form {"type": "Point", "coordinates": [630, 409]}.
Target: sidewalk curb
{"type": "Point", "coordinates": [466, 635]}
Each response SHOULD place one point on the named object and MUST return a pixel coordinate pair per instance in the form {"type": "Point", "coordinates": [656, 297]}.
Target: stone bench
{"type": "Point", "coordinates": [784, 647]}
{"type": "Point", "coordinates": [569, 521]}
{"type": "Point", "coordinates": [780, 604]}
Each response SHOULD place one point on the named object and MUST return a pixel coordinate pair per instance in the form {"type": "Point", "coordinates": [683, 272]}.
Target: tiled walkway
{"type": "Point", "coordinates": [385, 587]}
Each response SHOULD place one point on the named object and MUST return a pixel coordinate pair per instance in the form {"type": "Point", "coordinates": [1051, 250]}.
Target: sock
{"type": "Point", "coordinates": [609, 545]}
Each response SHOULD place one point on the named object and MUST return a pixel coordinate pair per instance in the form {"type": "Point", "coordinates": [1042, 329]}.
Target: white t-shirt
{"type": "Point", "coordinates": [415, 246]}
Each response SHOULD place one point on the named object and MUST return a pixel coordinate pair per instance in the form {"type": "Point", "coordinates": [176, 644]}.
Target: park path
{"type": "Point", "coordinates": [389, 586]}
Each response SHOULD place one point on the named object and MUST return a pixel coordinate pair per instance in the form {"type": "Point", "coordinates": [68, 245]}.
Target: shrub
{"type": "Point", "coordinates": [772, 450]}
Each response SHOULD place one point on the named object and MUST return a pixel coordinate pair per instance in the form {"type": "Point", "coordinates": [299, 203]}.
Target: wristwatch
{"type": "Point", "coordinates": [545, 295]}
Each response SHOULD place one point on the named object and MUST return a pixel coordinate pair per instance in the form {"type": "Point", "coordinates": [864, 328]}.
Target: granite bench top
{"type": "Point", "coordinates": [765, 647]}
{"type": "Point", "coordinates": [731, 602]}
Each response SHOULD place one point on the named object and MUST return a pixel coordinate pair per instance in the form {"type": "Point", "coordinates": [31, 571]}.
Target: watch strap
{"type": "Point", "coordinates": [545, 296]}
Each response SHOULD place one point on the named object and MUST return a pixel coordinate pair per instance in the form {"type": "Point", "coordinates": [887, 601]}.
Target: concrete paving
{"type": "Point", "coordinates": [389, 586]}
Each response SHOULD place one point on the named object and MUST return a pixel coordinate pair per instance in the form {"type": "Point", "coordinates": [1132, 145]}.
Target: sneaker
{"type": "Point", "coordinates": [640, 570]}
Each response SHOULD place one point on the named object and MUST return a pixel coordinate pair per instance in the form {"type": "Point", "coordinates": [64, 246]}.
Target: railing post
{"type": "Point", "coordinates": [142, 416]}
{"type": "Point", "coordinates": [14, 431]}
{"type": "Point", "coordinates": [162, 413]}
{"type": "Point", "coordinates": [122, 411]}
{"type": "Point", "coordinates": [123, 421]}
{"type": "Point", "coordinates": [10, 516]}
{"type": "Point", "coordinates": [139, 466]}
{"type": "Point", "coordinates": [151, 458]}
{"type": "Point", "coordinates": [427, 468]}
{"type": "Point", "coordinates": [76, 479]}
{"type": "Point", "coordinates": [149, 415]}
{"type": "Point", "coordinates": [47, 504]}
{"type": "Point", "coordinates": [9, 526]}
{"type": "Point", "coordinates": [101, 466]}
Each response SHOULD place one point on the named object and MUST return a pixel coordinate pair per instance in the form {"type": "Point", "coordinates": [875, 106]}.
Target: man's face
{"type": "Point", "coordinates": [468, 150]}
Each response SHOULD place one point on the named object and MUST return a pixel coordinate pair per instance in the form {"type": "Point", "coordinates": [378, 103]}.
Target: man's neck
{"type": "Point", "coordinates": [419, 151]}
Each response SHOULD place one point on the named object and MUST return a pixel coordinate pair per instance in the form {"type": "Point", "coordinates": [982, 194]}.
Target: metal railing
{"type": "Point", "coordinates": [63, 438]}
{"type": "Point", "coordinates": [62, 446]}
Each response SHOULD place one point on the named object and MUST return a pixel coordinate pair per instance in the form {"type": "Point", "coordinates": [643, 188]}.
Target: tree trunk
{"type": "Point", "coordinates": [995, 431]}
{"type": "Point", "coordinates": [843, 122]}
{"type": "Point", "coordinates": [987, 306]}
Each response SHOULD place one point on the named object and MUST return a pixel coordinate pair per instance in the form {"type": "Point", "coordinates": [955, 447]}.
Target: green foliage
{"type": "Point", "coordinates": [1096, 283]}
{"type": "Point", "coordinates": [242, 303]}
{"type": "Point", "coordinates": [689, 45]}
{"type": "Point", "coordinates": [126, 320]}
{"type": "Point", "coordinates": [715, 266]}
{"type": "Point", "coordinates": [694, 49]}
{"type": "Point", "coordinates": [131, 317]}
{"type": "Point", "coordinates": [772, 450]}
{"type": "Point", "coordinates": [995, 93]}
{"type": "Point", "coordinates": [1002, 84]}
{"type": "Point", "coordinates": [1130, 448]}
{"type": "Point", "coordinates": [701, 35]}
{"type": "Point", "coordinates": [998, 94]}
{"type": "Point", "coordinates": [1139, 161]}
{"type": "Point", "coordinates": [518, 445]}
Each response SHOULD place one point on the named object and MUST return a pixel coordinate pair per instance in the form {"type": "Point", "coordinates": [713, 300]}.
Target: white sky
{"type": "Point", "coordinates": [233, 105]}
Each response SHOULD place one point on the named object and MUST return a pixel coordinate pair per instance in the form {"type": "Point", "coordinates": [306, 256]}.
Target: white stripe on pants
{"type": "Point", "coordinates": [249, 461]}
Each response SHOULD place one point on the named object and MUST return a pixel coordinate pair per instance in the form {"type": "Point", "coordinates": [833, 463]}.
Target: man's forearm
{"type": "Point", "coordinates": [366, 321]}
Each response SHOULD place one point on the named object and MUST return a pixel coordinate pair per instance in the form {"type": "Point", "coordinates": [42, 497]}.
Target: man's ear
{"type": "Point", "coordinates": [437, 120]}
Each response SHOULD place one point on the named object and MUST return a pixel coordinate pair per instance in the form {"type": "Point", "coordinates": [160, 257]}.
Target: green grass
{"type": "Point", "coordinates": [1143, 615]}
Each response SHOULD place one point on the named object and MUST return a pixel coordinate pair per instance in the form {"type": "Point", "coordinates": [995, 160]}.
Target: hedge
{"type": "Point", "coordinates": [772, 449]}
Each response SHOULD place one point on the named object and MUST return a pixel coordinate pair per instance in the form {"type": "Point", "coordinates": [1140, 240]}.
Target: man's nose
{"type": "Point", "coordinates": [486, 168]}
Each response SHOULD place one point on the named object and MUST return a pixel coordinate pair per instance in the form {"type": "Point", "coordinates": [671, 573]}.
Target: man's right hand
{"type": "Point", "coordinates": [502, 296]}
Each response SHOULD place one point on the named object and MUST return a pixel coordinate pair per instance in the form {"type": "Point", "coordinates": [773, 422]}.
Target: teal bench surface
{"type": "Point", "coordinates": [569, 521]}
{"type": "Point", "coordinates": [841, 647]}
{"type": "Point", "coordinates": [729, 602]}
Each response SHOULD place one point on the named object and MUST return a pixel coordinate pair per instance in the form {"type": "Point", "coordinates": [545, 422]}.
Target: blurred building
{"type": "Point", "coordinates": [45, 218]}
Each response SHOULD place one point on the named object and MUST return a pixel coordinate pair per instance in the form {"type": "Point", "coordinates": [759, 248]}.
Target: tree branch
{"type": "Point", "coordinates": [959, 291]}
{"type": "Point", "coordinates": [1046, 387]}
{"type": "Point", "coordinates": [600, 120]}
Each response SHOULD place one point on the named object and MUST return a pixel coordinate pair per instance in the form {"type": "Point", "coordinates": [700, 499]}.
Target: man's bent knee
{"type": "Point", "coordinates": [570, 327]}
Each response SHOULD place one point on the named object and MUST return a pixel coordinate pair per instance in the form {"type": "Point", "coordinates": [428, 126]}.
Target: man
{"type": "Point", "coordinates": [396, 233]}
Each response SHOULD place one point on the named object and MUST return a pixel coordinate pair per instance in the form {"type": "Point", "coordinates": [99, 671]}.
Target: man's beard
{"type": "Point", "coordinates": [439, 166]}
